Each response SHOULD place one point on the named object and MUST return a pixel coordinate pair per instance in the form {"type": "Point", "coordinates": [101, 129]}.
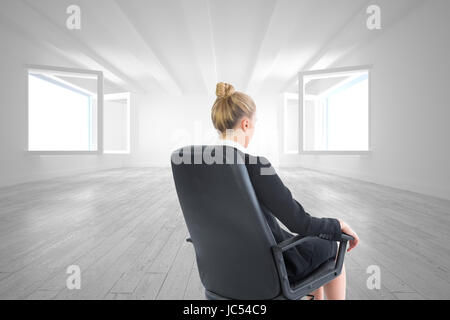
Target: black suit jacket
{"type": "Point", "coordinates": [277, 202]}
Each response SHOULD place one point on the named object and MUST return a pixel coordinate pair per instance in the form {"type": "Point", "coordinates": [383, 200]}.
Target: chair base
{"type": "Point", "coordinates": [214, 296]}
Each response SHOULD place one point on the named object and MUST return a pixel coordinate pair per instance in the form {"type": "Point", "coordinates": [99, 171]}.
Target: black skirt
{"type": "Point", "coordinates": [310, 254]}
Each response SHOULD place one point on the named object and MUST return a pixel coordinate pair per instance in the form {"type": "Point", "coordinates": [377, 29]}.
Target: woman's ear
{"type": "Point", "coordinates": [245, 124]}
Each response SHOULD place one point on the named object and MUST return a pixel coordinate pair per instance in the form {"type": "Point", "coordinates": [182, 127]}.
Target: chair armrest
{"type": "Point", "coordinates": [289, 243]}
{"type": "Point", "coordinates": [341, 251]}
{"type": "Point", "coordinates": [294, 241]}
{"type": "Point", "coordinates": [346, 237]}
{"type": "Point", "coordinates": [305, 288]}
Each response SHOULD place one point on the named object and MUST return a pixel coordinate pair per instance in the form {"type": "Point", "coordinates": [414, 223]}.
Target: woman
{"type": "Point", "coordinates": [233, 115]}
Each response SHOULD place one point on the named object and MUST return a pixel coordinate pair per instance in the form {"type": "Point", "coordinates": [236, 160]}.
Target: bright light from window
{"type": "Point", "coordinates": [336, 112]}
{"type": "Point", "coordinates": [62, 113]}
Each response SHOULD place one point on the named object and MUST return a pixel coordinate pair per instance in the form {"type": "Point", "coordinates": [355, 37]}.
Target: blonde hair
{"type": "Point", "coordinates": [230, 106]}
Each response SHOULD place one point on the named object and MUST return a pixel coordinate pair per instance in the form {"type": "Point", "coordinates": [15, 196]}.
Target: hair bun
{"type": "Point", "coordinates": [224, 90]}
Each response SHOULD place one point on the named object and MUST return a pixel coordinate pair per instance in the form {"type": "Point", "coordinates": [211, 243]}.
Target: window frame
{"type": "Point", "coordinates": [301, 95]}
{"type": "Point", "coordinates": [100, 98]}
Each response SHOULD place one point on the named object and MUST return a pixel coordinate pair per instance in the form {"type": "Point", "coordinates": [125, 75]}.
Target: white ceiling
{"type": "Point", "coordinates": [186, 46]}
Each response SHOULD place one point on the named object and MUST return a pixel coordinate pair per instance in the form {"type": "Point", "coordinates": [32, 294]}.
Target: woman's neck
{"type": "Point", "coordinates": [236, 138]}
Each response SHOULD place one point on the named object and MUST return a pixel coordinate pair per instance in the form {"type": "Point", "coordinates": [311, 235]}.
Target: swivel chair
{"type": "Point", "coordinates": [236, 253]}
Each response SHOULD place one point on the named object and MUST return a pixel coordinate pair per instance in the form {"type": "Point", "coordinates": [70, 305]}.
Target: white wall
{"type": "Point", "coordinates": [410, 112]}
{"type": "Point", "coordinates": [115, 128]}
{"type": "Point", "coordinates": [167, 122]}
{"type": "Point", "coordinates": [16, 165]}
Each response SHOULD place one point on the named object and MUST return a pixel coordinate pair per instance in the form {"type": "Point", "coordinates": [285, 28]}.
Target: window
{"type": "Point", "coordinates": [335, 111]}
{"type": "Point", "coordinates": [117, 123]}
{"type": "Point", "coordinates": [64, 111]}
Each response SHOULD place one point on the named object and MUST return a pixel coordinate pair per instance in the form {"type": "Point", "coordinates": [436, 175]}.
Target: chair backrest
{"type": "Point", "coordinates": [231, 237]}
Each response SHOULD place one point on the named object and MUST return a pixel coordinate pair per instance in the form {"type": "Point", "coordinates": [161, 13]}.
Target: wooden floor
{"type": "Point", "coordinates": [125, 231]}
